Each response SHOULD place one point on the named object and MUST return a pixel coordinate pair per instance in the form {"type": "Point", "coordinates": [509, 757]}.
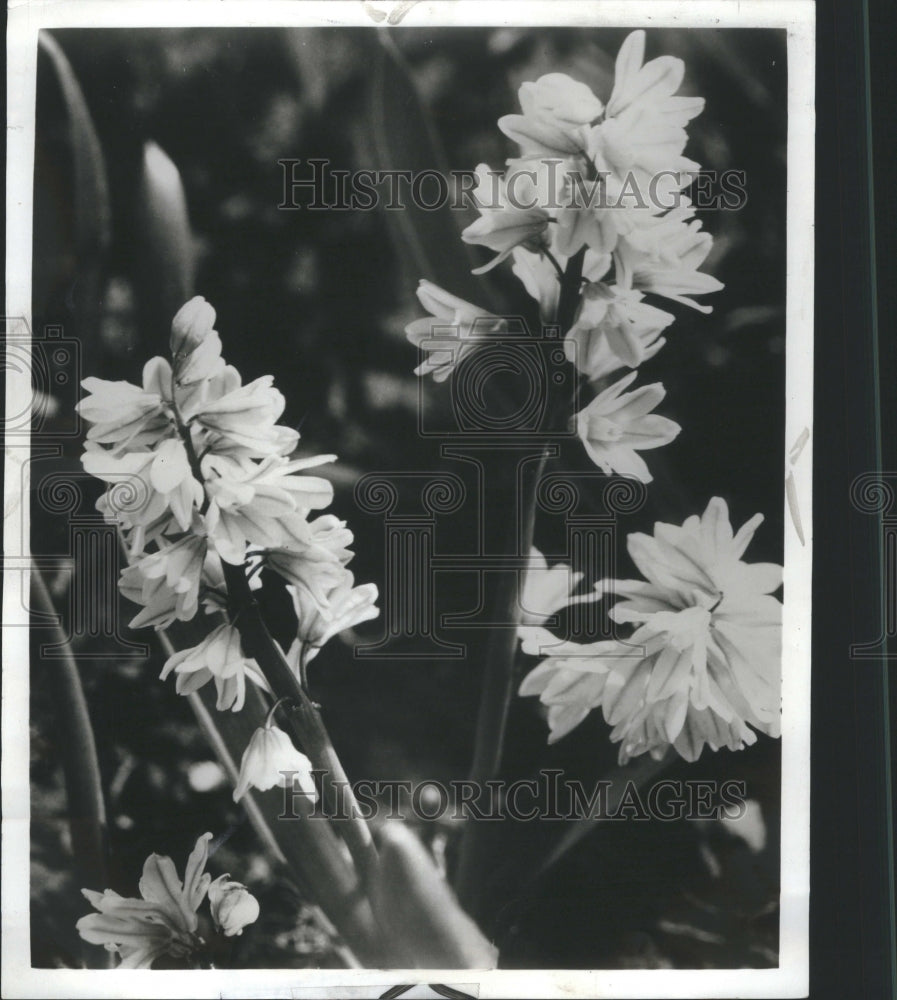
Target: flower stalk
{"type": "Point", "coordinates": [499, 683]}
{"type": "Point", "coordinates": [304, 721]}
{"type": "Point", "coordinates": [312, 850]}
{"type": "Point", "coordinates": [304, 718]}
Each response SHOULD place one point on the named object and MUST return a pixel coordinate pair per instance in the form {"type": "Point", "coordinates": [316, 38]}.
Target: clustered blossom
{"type": "Point", "coordinates": [201, 474]}
{"type": "Point", "coordinates": [703, 663]}
{"type": "Point", "coordinates": [201, 477]}
{"type": "Point", "coordinates": [164, 921]}
{"type": "Point", "coordinates": [197, 468]}
{"type": "Point", "coordinates": [604, 181]}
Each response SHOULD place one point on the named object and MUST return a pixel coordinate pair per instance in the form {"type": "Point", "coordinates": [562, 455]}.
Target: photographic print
{"type": "Point", "coordinates": [408, 466]}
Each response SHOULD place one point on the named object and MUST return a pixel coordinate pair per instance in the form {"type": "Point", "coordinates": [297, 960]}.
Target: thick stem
{"type": "Point", "coordinates": [499, 682]}
{"type": "Point", "coordinates": [495, 704]}
{"type": "Point", "coordinates": [304, 720]}
{"type": "Point", "coordinates": [312, 868]}
{"type": "Point", "coordinates": [569, 297]}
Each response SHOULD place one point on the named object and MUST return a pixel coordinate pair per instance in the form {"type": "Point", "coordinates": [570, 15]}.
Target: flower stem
{"type": "Point", "coordinates": [570, 290]}
{"type": "Point", "coordinates": [269, 718]}
{"type": "Point", "coordinates": [501, 654]}
{"type": "Point", "coordinates": [309, 850]}
{"type": "Point", "coordinates": [305, 721]}
{"type": "Point", "coordinates": [495, 704]}
{"type": "Point", "coordinates": [554, 263]}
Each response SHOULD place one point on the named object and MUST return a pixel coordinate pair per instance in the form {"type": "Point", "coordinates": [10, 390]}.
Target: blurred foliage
{"type": "Point", "coordinates": [321, 299]}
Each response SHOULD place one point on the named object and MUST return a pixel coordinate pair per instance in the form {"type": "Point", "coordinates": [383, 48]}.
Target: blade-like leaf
{"type": "Point", "coordinates": [421, 912]}
{"type": "Point", "coordinates": [72, 208]}
{"type": "Point", "coordinates": [402, 137]}
{"type": "Point", "coordinates": [165, 259]}
{"type": "Point", "coordinates": [91, 188]}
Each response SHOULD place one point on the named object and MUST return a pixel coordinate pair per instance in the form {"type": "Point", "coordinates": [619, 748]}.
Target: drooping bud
{"type": "Point", "coordinates": [271, 759]}
{"type": "Point", "coordinates": [233, 906]}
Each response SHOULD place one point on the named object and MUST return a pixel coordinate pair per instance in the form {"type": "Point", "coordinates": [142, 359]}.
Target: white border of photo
{"type": "Point", "coordinates": [790, 979]}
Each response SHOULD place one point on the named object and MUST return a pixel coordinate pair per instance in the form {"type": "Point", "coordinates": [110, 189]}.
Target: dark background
{"type": "Point", "coordinates": [321, 300]}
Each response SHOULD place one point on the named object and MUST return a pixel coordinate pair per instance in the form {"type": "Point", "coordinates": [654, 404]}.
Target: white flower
{"type": "Point", "coordinates": [703, 665]}
{"type": "Point", "coordinates": [570, 682]}
{"type": "Point", "coordinates": [545, 592]}
{"type": "Point", "coordinates": [662, 254]}
{"type": "Point", "coordinates": [271, 759]}
{"type": "Point", "coordinates": [506, 221]}
{"type": "Point", "coordinates": [617, 425]}
{"type": "Point", "coordinates": [555, 109]}
{"type": "Point", "coordinates": [644, 129]}
{"type": "Point", "coordinates": [196, 353]}
{"type": "Point", "coordinates": [347, 606]}
{"type": "Point", "coordinates": [614, 329]}
{"type": "Point", "coordinates": [166, 582]}
{"type": "Point", "coordinates": [317, 566]}
{"type": "Point", "coordinates": [218, 657]}
{"type": "Point", "coordinates": [585, 221]}
{"type": "Point", "coordinates": [228, 417]}
{"type": "Point", "coordinates": [233, 906]}
{"type": "Point", "coordinates": [192, 325]}
{"type": "Point", "coordinates": [163, 476]}
{"type": "Point", "coordinates": [454, 329]}
{"type": "Point", "coordinates": [162, 922]}
{"type": "Point", "coordinates": [249, 501]}
{"type": "Point", "coordinates": [162, 604]}
{"type": "Point", "coordinates": [125, 415]}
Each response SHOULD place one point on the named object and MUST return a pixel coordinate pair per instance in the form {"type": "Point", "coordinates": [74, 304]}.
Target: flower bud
{"type": "Point", "coordinates": [190, 326]}
{"type": "Point", "coordinates": [233, 906]}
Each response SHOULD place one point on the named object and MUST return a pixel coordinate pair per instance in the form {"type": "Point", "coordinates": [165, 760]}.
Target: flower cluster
{"type": "Point", "coordinates": [198, 468]}
{"type": "Point", "coordinates": [202, 477]}
{"type": "Point", "coordinates": [164, 921]}
{"type": "Point", "coordinates": [703, 663]}
{"type": "Point", "coordinates": [595, 195]}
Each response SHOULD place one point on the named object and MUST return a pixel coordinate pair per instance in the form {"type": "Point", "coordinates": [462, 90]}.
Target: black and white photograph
{"type": "Point", "coordinates": [408, 500]}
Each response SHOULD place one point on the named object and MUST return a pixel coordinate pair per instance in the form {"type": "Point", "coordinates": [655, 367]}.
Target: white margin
{"type": "Point", "coordinates": [26, 19]}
